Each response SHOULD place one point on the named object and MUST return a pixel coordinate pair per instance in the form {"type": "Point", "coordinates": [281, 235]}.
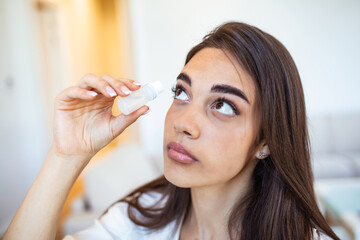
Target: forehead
{"type": "Point", "coordinates": [214, 66]}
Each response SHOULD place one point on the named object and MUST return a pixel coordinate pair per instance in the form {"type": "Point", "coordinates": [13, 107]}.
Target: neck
{"type": "Point", "coordinates": [211, 206]}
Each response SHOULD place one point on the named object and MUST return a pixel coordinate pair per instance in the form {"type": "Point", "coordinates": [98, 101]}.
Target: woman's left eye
{"type": "Point", "coordinates": [220, 103]}
{"type": "Point", "coordinates": [229, 110]}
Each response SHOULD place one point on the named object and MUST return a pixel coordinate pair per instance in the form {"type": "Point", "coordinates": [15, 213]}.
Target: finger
{"type": "Point", "coordinates": [74, 92]}
{"type": "Point", "coordinates": [119, 86]}
{"type": "Point", "coordinates": [122, 86]}
{"type": "Point", "coordinates": [91, 81]}
{"type": "Point", "coordinates": [121, 122]}
{"type": "Point", "coordinates": [132, 84]}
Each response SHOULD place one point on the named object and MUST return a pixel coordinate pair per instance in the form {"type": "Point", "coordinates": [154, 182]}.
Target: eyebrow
{"type": "Point", "coordinates": [219, 88]}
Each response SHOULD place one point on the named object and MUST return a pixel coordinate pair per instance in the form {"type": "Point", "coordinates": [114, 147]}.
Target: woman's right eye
{"type": "Point", "coordinates": [178, 92]}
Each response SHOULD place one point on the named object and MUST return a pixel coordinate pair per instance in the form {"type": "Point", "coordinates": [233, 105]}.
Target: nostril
{"type": "Point", "coordinates": [187, 132]}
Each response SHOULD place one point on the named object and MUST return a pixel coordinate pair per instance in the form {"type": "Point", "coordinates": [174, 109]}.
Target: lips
{"type": "Point", "coordinates": [179, 153]}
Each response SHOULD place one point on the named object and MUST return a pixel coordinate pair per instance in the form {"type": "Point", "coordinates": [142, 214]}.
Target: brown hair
{"type": "Point", "coordinates": [281, 202]}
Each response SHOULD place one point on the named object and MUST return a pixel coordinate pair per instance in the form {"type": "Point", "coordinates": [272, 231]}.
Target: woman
{"type": "Point", "coordinates": [236, 151]}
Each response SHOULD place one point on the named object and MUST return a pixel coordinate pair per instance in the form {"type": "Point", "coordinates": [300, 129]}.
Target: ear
{"type": "Point", "coordinates": [263, 152]}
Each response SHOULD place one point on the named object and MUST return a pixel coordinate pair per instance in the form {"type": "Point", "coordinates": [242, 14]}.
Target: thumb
{"type": "Point", "coordinates": [120, 123]}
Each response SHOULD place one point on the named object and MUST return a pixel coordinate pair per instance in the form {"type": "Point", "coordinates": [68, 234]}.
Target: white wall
{"type": "Point", "coordinates": [23, 141]}
{"type": "Point", "coordinates": [323, 37]}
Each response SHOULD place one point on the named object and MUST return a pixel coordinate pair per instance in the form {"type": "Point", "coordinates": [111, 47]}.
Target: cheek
{"type": "Point", "coordinates": [227, 140]}
{"type": "Point", "coordinates": [224, 161]}
{"type": "Point", "coordinates": [168, 124]}
{"type": "Point", "coordinates": [227, 150]}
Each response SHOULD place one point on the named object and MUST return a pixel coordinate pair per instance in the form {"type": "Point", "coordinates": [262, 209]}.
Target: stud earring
{"type": "Point", "coordinates": [261, 155]}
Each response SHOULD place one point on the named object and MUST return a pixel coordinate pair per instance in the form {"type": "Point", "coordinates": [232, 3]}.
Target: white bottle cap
{"type": "Point", "coordinates": [158, 87]}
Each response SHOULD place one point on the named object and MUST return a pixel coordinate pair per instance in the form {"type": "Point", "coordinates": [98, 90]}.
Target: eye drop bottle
{"type": "Point", "coordinates": [138, 98]}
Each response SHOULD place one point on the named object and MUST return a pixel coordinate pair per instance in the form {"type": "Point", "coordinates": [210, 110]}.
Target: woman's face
{"type": "Point", "coordinates": [218, 133]}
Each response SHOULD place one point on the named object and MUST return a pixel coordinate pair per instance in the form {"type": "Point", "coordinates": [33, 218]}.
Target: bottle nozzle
{"type": "Point", "coordinates": [158, 87]}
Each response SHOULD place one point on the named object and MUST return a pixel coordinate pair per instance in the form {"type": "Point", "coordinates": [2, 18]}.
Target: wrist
{"type": "Point", "coordinates": [73, 161]}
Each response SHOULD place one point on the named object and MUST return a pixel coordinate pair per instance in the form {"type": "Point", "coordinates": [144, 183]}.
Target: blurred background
{"type": "Point", "coordinates": [48, 45]}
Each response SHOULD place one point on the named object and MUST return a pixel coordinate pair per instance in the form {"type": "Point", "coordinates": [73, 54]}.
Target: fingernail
{"type": "Point", "coordinates": [125, 90]}
{"type": "Point", "coordinates": [110, 91]}
{"type": "Point", "coordinates": [146, 112]}
{"type": "Point", "coordinates": [137, 83]}
{"type": "Point", "coordinates": [91, 93]}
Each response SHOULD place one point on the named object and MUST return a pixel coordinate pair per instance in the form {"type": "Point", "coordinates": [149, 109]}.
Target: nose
{"type": "Point", "coordinates": [187, 122]}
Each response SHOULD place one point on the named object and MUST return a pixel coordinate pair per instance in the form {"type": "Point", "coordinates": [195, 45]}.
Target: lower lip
{"type": "Point", "coordinates": [180, 157]}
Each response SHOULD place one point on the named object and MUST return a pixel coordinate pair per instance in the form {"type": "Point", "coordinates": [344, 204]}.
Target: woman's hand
{"type": "Point", "coordinates": [83, 122]}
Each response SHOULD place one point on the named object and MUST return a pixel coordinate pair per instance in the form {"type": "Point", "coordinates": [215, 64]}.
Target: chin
{"type": "Point", "coordinates": [177, 175]}
{"type": "Point", "coordinates": [177, 181]}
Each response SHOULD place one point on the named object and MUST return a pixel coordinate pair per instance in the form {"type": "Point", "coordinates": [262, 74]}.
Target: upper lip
{"type": "Point", "coordinates": [180, 148]}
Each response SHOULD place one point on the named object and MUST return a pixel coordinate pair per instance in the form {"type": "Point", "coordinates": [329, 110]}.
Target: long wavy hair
{"type": "Point", "coordinates": [281, 202]}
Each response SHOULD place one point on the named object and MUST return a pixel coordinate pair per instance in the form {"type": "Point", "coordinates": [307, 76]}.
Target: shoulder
{"type": "Point", "coordinates": [320, 236]}
{"type": "Point", "coordinates": [117, 219]}
{"type": "Point", "coordinates": [116, 224]}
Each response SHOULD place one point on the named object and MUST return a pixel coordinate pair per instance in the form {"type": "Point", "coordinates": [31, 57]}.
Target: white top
{"type": "Point", "coordinates": [116, 225]}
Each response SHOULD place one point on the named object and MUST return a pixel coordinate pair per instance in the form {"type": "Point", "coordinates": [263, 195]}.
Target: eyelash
{"type": "Point", "coordinates": [219, 99]}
